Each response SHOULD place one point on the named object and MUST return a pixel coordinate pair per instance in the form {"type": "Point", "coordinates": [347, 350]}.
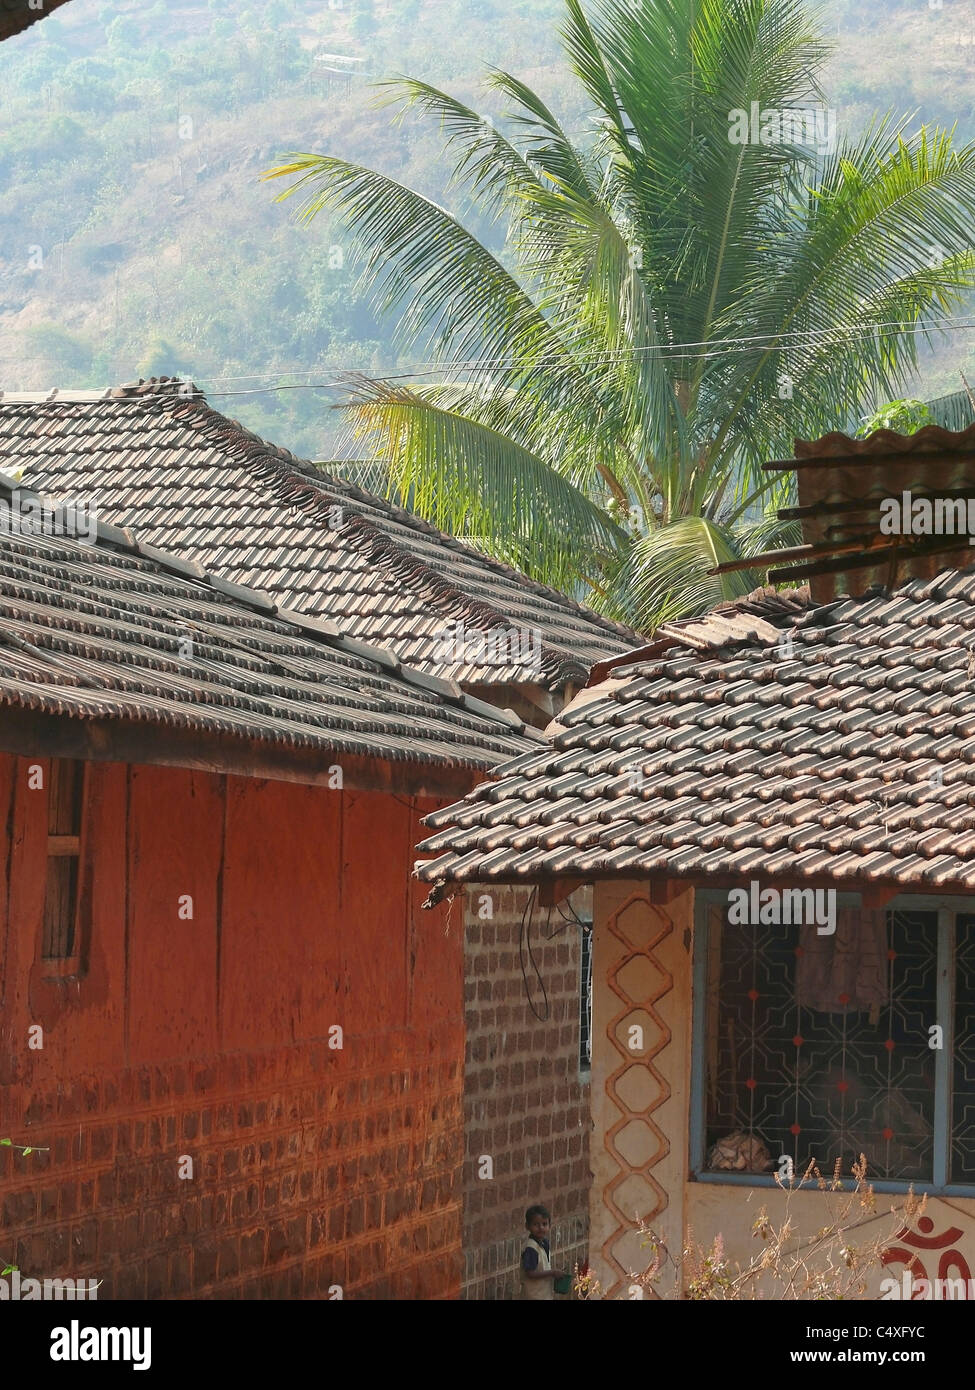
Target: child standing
{"type": "Point", "coordinates": [537, 1275]}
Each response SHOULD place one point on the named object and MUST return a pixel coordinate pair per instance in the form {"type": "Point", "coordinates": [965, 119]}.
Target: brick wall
{"type": "Point", "coordinates": [526, 1101]}
{"type": "Point", "coordinates": [208, 1038]}
{"type": "Point", "coordinates": [307, 1173]}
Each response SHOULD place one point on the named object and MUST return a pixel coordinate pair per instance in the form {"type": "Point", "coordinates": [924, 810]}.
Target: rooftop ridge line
{"type": "Point", "coordinates": [253, 448]}
{"type": "Point", "coordinates": [174, 390]}
{"type": "Point", "coordinates": [687, 637]}
{"type": "Point", "coordinates": [315, 629]}
{"type": "Point", "coordinates": [319, 479]}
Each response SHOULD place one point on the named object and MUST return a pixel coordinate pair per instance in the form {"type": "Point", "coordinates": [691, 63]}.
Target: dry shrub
{"type": "Point", "coordinates": [823, 1265]}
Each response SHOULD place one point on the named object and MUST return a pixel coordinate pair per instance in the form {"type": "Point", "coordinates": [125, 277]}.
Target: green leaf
{"type": "Point", "coordinates": [672, 308]}
{"type": "Point", "coordinates": [6, 1141]}
{"type": "Point", "coordinates": [472, 479]}
{"type": "Point", "coordinates": [905, 416]}
{"type": "Point", "coordinates": [666, 574]}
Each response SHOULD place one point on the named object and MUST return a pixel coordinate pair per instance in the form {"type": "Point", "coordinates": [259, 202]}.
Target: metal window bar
{"type": "Point", "coordinates": [949, 1113]}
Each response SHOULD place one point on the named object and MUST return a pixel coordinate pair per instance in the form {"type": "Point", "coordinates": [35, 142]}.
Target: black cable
{"type": "Point", "coordinates": [586, 926]}
{"type": "Point", "coordinates": [524, 937]}
{"type": "Point", "coordinates": [551, 935]}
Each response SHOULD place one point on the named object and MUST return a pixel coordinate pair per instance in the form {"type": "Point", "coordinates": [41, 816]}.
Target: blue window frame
{"type": "Point", "coordinates": [827, 1050]}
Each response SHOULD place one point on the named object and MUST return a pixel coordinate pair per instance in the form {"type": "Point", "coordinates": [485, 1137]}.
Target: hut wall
{"type": "Point", "coordinates": [196, 1130]}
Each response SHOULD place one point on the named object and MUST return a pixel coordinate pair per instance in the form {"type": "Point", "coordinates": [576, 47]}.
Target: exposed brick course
{"type": "Point", "coordinates": [148, 1234]}
{"type": "Point", "coordinates": [513, 1104]}
{"type": "Point", "coordinates": [312, 1166]}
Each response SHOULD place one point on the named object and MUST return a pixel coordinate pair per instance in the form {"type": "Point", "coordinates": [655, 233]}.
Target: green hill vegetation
{"type": "Point", "coordinates": [137, 239]}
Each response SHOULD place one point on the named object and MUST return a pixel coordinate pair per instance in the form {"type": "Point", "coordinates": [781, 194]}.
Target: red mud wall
{"type": "Point", "coordinates": [207, 1038]}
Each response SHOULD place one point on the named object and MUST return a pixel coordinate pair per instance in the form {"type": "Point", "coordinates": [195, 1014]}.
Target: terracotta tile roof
{"type": "Point", "coordinates": [99, 631]}
{"type": "Point", "coordinates": [850, 757]}
{"type": "Point", "coordinates": [185, 477]}
{"type": "Point", "coordinates": [737, 620]}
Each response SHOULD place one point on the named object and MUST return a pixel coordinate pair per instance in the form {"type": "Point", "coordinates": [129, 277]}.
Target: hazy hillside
{"type": "Point", "coordinates": [136, 237]}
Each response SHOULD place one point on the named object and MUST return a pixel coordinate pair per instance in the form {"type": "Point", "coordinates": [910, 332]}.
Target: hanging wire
{"type": "Point", "coordinates": [525, 941]}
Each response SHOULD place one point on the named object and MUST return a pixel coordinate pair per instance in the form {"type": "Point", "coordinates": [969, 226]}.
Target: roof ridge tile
{"type": "Point", "coordinates": [317, 477]}
{"type": "Point", "coordinates": [124, 538]}
{"type": "Point", "coordinates": [420, 572]}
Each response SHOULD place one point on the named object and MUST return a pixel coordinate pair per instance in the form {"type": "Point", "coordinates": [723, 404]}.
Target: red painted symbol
{"type": "Point", "coordinates": [921, 1239]}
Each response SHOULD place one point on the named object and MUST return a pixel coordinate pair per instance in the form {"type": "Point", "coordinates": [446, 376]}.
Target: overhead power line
{"type": "Point", "coordinates": [670, 351]}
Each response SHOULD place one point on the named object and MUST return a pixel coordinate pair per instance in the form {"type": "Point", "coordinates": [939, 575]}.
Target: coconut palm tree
{"type": "Point", "coordinates": [702, 275]}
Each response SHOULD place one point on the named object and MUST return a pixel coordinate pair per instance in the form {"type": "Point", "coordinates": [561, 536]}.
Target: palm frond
{"type": "Point", "coordinates": [765, 533]}
{"type": "Point", "coordinates": [681, 306]}
{"type": "Point", "coordinates": [474, 481]}
{"type": "Point", "coordinates": [665, 575]}
{"type": "Point", "coordinates": [495, 170]}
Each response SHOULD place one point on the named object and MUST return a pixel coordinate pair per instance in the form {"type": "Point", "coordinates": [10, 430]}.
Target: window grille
{"type": "Point", "coordinates": [820, 1047]}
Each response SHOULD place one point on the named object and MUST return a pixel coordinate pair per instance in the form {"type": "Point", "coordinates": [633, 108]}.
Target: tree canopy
{"type": "Point", "coordinates": [702, 273]}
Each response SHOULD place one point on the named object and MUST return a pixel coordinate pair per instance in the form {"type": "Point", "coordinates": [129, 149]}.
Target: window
{"type": "Point", "coordinates": [817, 1046]}
{"type": "Point", "coordinates": [585, 997]}
{"type": "Point", "coordinates": [60, 948]}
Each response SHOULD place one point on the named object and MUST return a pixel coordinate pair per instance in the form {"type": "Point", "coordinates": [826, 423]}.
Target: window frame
{"type": "Point", "coordinates": [70, 967]}
{"type": "Point", "coordinates": [947, 906]}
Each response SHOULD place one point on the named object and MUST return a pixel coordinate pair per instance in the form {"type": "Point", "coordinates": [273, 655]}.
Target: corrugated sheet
{"type": "Point", "coordinates": [842, 484]}
{"type": "Point", "coordinates": [187, 478]}
{"type": "Point", "coordinates": [848, 755]}
{"type": "Point", "coordinates": [932, 439]}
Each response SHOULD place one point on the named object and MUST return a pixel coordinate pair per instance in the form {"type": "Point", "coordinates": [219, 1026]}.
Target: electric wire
{"type": "Point", "coordinates": [806, 337]}
{"type": "Point", "coordinates": [525, 940]}
{"type": "Point", "coordinates": [847, 337]}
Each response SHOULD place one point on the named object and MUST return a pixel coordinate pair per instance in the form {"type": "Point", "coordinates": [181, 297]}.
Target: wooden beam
{"type": "Point", "coordinates": [63, 844]}
{"type": "Point", "coordinates": [555, 890]}
{"type": "Point", "coordinates": [810, 551]}
{"type": "Point", "coordinates": [904, 548]}
{"type": "Point", "coordinates": [602, 669]}
{"type": "Point", "coordinates": [866, 504]}
{"type": "Point", "coordinates": [721, 882]}
{"type": "Point", "coordinates": [824, 461]}
{"type": "Point", "coordinates": [665, 890]}
{"type": "Point", "coordinates": [876, 899]}
{"type": "Point", "coordinates": [35, 734]}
